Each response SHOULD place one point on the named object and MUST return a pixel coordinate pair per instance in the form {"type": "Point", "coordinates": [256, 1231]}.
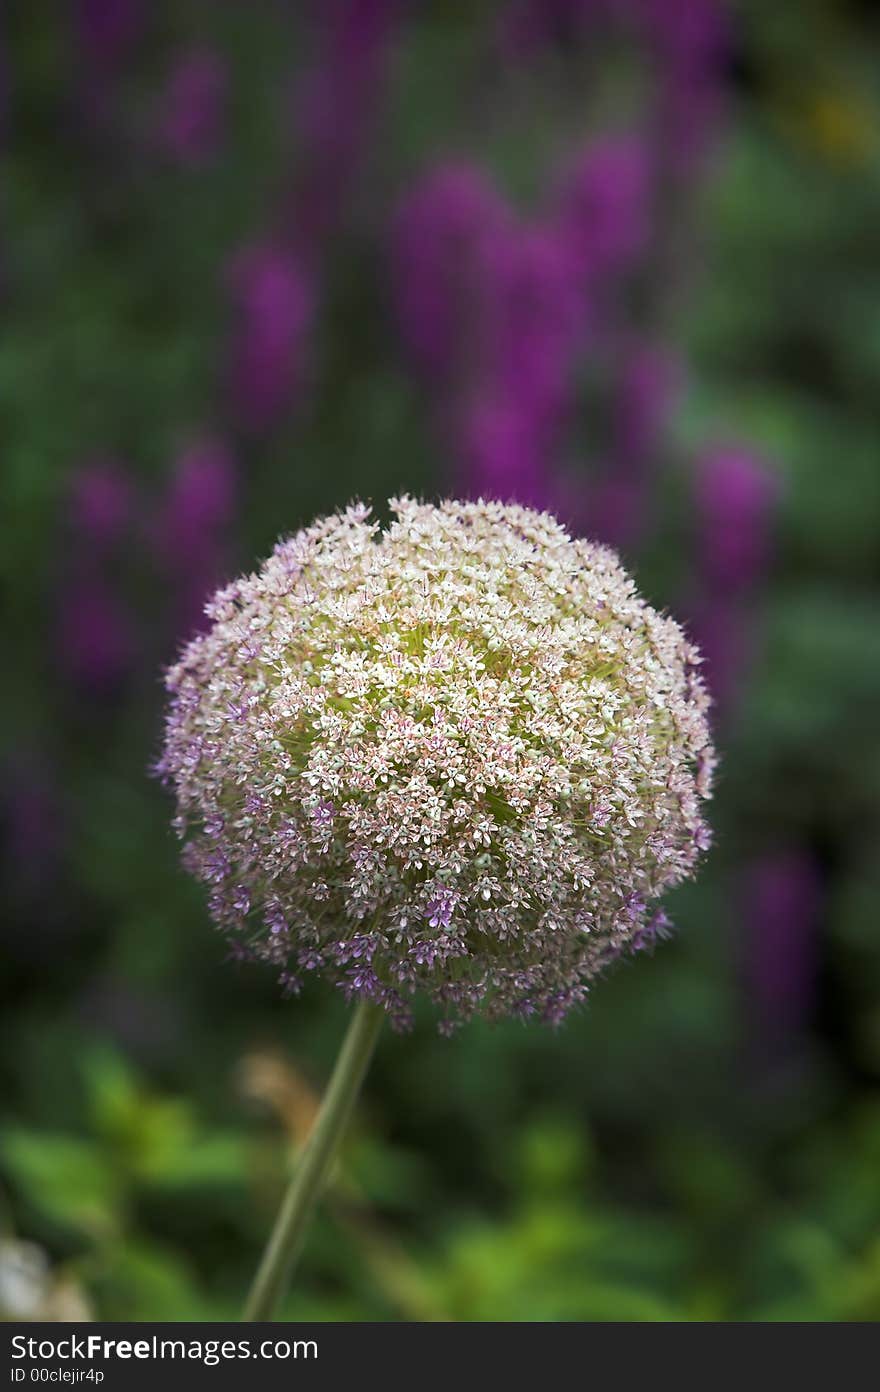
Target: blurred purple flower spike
{"type": "Point", "coordinates": [108, 30]}
{"type": "Point", "coordinates": [192, 119]}
{"type": "Point", "coordinates": [735, 495]}
{"type": "Point", "coordinates": [724, 630]}
{"type": "Point", "coordinates": [533, 323]}
{"type": "Point", "coordinates": [690, 34]}
{"type": "Point", "coordinates": [604, 206]}
{"type": "Point", "coordinates": [102, 503]}
{"type": "Point", "coordinates": [783, 894]}
{"type": "Point", "coordinates": [107, 34]}
{"type": "Point", "coordinates": [202, 497]}
{"type": "Point", "coordinates": [492, 311]}
{"type": "Point", "coordinates": [272, 298]}
{"type": "Point", "coordinates": [528, 25]}
{"type": "Point", "coordinates": [644, 398]}
{"type": "Point", "coordinates": [647, 394]}
{"type": "Point", "coordinates": [96, 639]}
{"type": "Point", "coordinates": [96, 644]}
{"type": "Point", "coordinates": [690, 40]}
{"type": "Point", "coordinates": [536, 318]}
{"type": "Point", "coordinates": [500, 456]}
{"type": "Point", "coordinates": [355, 32]}
{"type": "Point", "coordinates": [616, 507]}
{"type": "Point", "coordinates": [334, 111]}
{"type": "Point", "coordinates": [194, 526]}
{"type": "Point", "coordinates": [442, 238]}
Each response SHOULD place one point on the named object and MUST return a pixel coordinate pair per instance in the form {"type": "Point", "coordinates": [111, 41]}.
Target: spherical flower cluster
{"type": "Point", "coordinates": [459, 756]}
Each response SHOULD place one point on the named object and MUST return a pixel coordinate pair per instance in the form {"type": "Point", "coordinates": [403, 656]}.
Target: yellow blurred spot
{"type": "Point", "coordinates": [272, 1080]}
{"type": "Point", "coordinates": [842, 128]}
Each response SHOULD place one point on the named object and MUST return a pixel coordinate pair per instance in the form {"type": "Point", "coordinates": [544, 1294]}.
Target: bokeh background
{"type": "Point", "coordinates": [617, 258]}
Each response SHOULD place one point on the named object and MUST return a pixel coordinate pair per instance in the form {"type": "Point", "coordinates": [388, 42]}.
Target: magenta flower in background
{"type": "Point", "coordinates": [272, 311]}
{"type": "Point", "coordinates": [735, 494]}
{"type": "Point", "coordinates": [96, 641]}
{"type": "Point", "coordinates": [108, 30]}
{"type": "Point", "coordinates": [528, 25]}
{"type": "Point", "coordinates": [192, 115]}
{"type": "Point", "coordinates": [96, 644]}
{"type": "Point", "coordinates": [444, 235]}
{"type": "Point", "coordinates": [107, 36]}
{"type": "Point", "coordinates": [783, 897]}
{"type": "Point", "coordinates": [735, 497]}
{"type": "Point", "coordinates": [492, 312]}
{"type": "Point", "coordinates": [192, 533]}
{"type": "Point", "coordinates": [334, 112]}
{"type": "Point", "coordinates": [689, 43]}
{"type": "Point", "coordinates": [201, 499]}
{"type": "Point", "coordinates": [498, 313]}
{"type": "Point", "coordinates": [102, 503]}
{"type": "Point", "coordinates": [99, 635]}
{"type": "Point", "coordinates": [724, 627]}
{"type": "Point", "coordinates": [690, 35]}
{"type": "Point", "coordinates": [536, 321]}
{"type": "Point", "coordinates": [500, 456]}
{"type": "Point", "coordinates": [604, 206]}
{"type": "Point", "coordinates": [519, 392]}
{"type": "Point", "coordinates": [615, 505]}
{"type": "Point", "coordinates": [646, 396]}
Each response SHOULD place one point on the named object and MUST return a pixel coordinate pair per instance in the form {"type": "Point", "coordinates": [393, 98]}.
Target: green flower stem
{"type": "Point", "coordinates": [293, 1219]}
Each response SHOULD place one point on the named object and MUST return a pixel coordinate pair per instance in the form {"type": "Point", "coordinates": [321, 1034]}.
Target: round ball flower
{"type": "Point", "coordinates": [459, 756]}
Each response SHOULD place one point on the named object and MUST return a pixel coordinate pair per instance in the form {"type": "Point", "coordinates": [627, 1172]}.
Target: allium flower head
{"type": "Point", "coordinates": [460, 756]}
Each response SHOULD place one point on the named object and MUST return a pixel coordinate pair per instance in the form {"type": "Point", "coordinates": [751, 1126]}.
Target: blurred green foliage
{"type": "Point", "coordinates": [151, 1206]}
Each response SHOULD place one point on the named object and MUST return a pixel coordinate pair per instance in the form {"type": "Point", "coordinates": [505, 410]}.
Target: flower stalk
{"type": "Point", "coordinates": [310, 1176]}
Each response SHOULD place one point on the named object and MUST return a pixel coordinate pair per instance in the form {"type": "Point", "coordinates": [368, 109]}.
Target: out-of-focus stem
{"type": "Point", "coordinates": [291, 1225]}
